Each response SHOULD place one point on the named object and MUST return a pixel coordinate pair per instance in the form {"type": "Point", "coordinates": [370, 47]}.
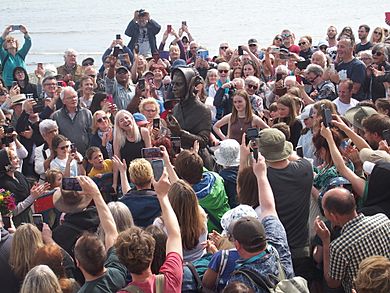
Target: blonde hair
{"type": "Point", "coordinates": [141, 172]}
{"type": "Point", "coordinates": [94, 127]}
{"type": "Point", "coordinates": [373, 275]}
{"type": "Point", "coordinates": [146, 102]}
{"type": "Point", "coordinates": [41, 279]}
{"type": "Point", "coordinates": [120, 134]}
{"type": "Point", "coordinates": [7, 39]}
{"type": "Point", "coordinates": [382, 38]}
{"type": "Point", "coordinates": [27, 239]}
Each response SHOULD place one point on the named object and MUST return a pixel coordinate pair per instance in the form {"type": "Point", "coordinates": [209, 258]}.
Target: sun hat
{"type": "Point", "coordinates": [18, 99]}
{"type": "Point", "coordinates": [69, 201]}
{"type": "Point", "coordinates": [228, 153]}
{"type": "Point", "coordinates": [232, 215]}
{"type": "Point", "coordinates": [273, 145]}
{"type": "Point", "coordinates": [355, 115]}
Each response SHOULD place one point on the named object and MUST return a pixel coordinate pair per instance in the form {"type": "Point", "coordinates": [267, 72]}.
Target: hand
{"type": "Point", "coordinates": [112, 59]}
{"type": "Point", "coordinates": [384, 146]}
{"type": "Point", "coordinates": [314, 94]}
{"type": "Point", "coordinates": [245, 48]}
{"type": "Point", "coordinates": [173, 125]}
{"type": "Point", "coordinates": [339, 123]}
{"type": "Point", "coordinates": [39, 72]}
{"type": "Point", "coordinates": [321, 230]}
{"type": "Point", "coordinates": [162, 186]}
{"type": "Point", "coordinates": [38, 189]}
{"type": "Point", "coordinates": [113, 44]}
{"type": "Point", "coordinates": [210, 246]}
{"type": "Point", "coordinates": [118, 165]}
{"type": "Point", "coordinates": [195, 147]}
{"type": "Point", "coordinates": [259, 167]}
{"type": "Point", "coordinates": [245, 150]}
{"type": "Point", "coordinates": [326, 133]}
{"type": "Point", "coordinates": [89, 187]}
{"type": "Point", "coordinates": [28, 105]}
{"type": "Point", "coordinates": [15, 90]}
{"type": "Point", "coordinates": [47, 235]}
{"type": "Point", "coordinates": [23, 29]}
{"type": "Point", "coordinates": [165, 155]}
{"type": "Point", "coordinates": [136, 15]}
{"type": "Point", "coordinates": [120, 42]}
{"type": "Point", "coordinates": [28, 133]}
{"type": "Point", "coordinates": [67, 77]}
{"type": "Point", "coordinates": [215, 237]}
{"type": "Point", "coordinates": [7, 30]}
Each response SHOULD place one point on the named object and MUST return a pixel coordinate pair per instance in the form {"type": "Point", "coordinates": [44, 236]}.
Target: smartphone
{"type": "Point", "coordinates": [299, 151]}
{"type": "Point", "coordinates": [326, 116]}
{"type": "Point", "coordinates": [38, 221]}
{"type": "Point", "coordinates": [73, 148]}
{"type": "Point", "coordinates": [38, 108]}
{"type": "Point", "coordinates": [203, 54]}
{"type": "Point", "coordinates": [169, 28]}
{"type": "Point", "coordinates": [118, 37]}
{"type": "Point", "coordinates": [141, 84]}
{"type": "Point", "coordinates": [110, 99]}
{"type": "Point", "coordinates": [150, 153]}
{"type": "Point", "coordinates": [8, 129]}
{"type": "Point", "coordinates": [386, 135]}
{"type": "Point", "coordinates": [176, 144]}
{"type": "Point", "coordinates": [279, 76]}
{"type": "Point", "coordinates": [252, 133]}
{"type": "Point", "coordinates": [156, 123]}
{"type": "Point", "coordinates": [184, 23]}
{"type": "Point", "coordinates": [116, 51]}
{"type": "Point", "coordinates": [303, 64]}
{"type": "Point", "coordinates": [240, 51]}
{"type": "Point", "coordinates": [59, 83]}
{"type": "Point", "coordinates": [71, 183]}
{"type": "Point", "coordinates": [14, 83]}
{"type": "Point", "coordinates": [6, 222]}
{"type": "Point", "coordinates": [158, 169]}
{"type": "Point", "coordinates": [16, 27]}
{"type": "Point", "coordinates": [136, 49]}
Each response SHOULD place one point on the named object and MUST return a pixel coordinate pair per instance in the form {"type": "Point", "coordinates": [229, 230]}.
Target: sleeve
{"type": "Point", "coordinates": [3, 52]}
{"type": "Point", "coordinates": [128, 51]}
{"type": "Point", "coordinates": [21, 152]}
{"type": "Point", "coordinates": [215, 261]}
{"type": "Point", "coordinates": [337, 265]}
{"type": "Point", "coordinates": [182, 50]}
{"type": "Point", "coordinates": [26, 47]}
{"type": "Point", "coordinates": [218, 98]}
{"type": "Point", "coordinates": [295, 132]}
{"type": "Point", "coordinates": [110, 85]}
{"type": "Point", "coordinates": [173, 272]}
{"type": "Point", "coordinates": [22, 122]}
{"type": "Point", "coordinates": [131, 28]}
{"type": "Point", "coordinates": [106, 53]}
{"type": "Point", "coordinates": [112, 261]}
{"type": "Point", "coordinates": [154, 28]}
{"type": "Point", "coordinates": [23, 205]}
{"type": "Point", "coordinates": [202, 137]}
{"type": "Point", "coordinates": [39, 160]}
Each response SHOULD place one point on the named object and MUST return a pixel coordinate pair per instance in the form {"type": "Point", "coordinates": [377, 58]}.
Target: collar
{"type": "Point", "coordinates": [352, 223]}
{"type": "Point", "coordinates": [242, 262]}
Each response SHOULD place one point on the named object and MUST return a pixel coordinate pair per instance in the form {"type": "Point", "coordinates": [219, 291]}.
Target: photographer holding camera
{"type": "Point", "coordinates": [142, 30]}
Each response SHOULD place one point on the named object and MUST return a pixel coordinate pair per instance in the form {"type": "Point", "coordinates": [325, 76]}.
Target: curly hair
{"type": "Point", "coordinates": [373, 275]}
{"type": "Point", "coordinates": [135, 249]}
{"type": "Point", "coordinates": [141, 172]}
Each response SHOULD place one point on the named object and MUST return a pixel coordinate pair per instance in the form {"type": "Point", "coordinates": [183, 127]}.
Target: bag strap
{"type": "Point", "coordinates": [297, 285]}
{"type": "Point", "coordinates": [160, 280]}
{"type": "Point", "coordinates": [222, 266]}
{"type": "Point", "coordinates": [192, 268]}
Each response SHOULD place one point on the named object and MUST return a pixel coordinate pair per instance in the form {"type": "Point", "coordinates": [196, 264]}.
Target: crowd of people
{"type": "Point", "coordinates": [176, 171]}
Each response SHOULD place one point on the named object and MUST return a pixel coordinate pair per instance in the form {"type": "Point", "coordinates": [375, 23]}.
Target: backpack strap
{"type": "Point", "coordinates": [198, 281]}
{"type": "Point", "coordinates": [160, 281]}
{"type": "Point", "coordinates": [222, 266]}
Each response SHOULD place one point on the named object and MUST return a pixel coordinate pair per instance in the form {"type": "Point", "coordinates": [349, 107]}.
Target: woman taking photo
{"type": "Point", "coordinates": [288, 114]}
{"type": "Point", "coordinates": [240, 119]}
{"type": "Point", "coordinates": [102, 133]}
{"type": "Point", "coordinates": [66, 158]}
{"type": "Point", "coordinates": [191, 217]}
{"type": "Point", "coordinates": [16, 183]}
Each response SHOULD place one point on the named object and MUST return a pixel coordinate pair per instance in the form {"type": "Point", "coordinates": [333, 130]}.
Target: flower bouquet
{"type": "Point", "coordinates": [7, 202]}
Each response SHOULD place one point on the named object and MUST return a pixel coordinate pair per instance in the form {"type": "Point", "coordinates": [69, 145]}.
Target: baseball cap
{"type": "Point", "coordinates": [140, 119]}
{"type": "Point", "coordinates": [122, 68]}
{"type": "Point", "coordinates": [249, 232]}
{"type": "Point", "coordinates": [355, 115]}
{"type": "Point", "coordinates": [252, 42]}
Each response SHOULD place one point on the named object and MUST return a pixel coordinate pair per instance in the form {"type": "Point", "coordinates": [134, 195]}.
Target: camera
{"type": "Point", "coordinates": [141, 12]}
{"type": "Point", "coordinates": [8, 129]}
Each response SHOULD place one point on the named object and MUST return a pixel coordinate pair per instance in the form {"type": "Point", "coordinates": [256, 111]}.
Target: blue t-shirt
{"type": "Point", "coordinates": [356, 71]}
{"type": "Point", "coordinates": [215, 265]}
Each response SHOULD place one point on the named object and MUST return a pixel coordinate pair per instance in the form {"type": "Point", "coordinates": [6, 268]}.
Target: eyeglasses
{"type": "Point", "coordinates": [101, 119]}
{"type": "Point", "coordinates": [223, 71]}
{"type": "Point", "coordinates": [377, 53]}
{"type": "Point", "coordinates": [150, 110]}
{"type": "Point", "coordinates": [252, 45]}
{"type": "Point", "coordinates": [122, 72]}
{"type": "Point", "coordinates": [50, 84]}
{"type": "Point", "coordinates": [223, 48]}
{"type": "Point", "coordinates": [323, 47]}
{"type": "Point", "coordinates": [64, 147]}
{"type": "Point", "coordinates": [252, 86]}
{"type": "Point", "coordinates": [378, 33]}
{"type": "Point", "coordinates": [88, 64]}
{"type": "Point", "coordinates": [301, 43]}
{"type": "Point", "coordinates": [92, 75]}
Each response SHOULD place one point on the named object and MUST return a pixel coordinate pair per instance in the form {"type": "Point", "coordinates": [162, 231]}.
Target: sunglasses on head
{"type": "Point", "coordinates": [377, 53]}
{"type": "Point", "coordinates": [88, 64]}
{"type": "Point", "coordinates": [252, 45]}
{"type": "Point", "coordinates": [278, 38]}
{"type": "Point", "coordinates": [285, 36]}
{"type": "Point", "coordinates": [101, 119]}
{"type": "Point", "coordinates": [223, 71]}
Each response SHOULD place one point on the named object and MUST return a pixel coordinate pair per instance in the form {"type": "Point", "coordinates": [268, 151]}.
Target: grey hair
{"type": "Point", "coordinates": [381, 46]}
{"type": "Point", "coordinates": [64, 89]}
{"type": "Point", "coordinates": [281, 69]}
{"type": "Point", "coordinates": [41, 279]}
{"type": "Point", "coordinates": [316, 69]}
{"type": "Point", "coordinates": [46, 125]}
{"type": "Point", "coordinates": [70, 51]}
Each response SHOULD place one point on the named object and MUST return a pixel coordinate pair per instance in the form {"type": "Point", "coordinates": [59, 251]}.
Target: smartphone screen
{"type": "Point", "coordinates": [158, 169]}
{"type": "Point", "coordinates": [240, 51]}
{"type": "Point", "coordinates": [150, 153]}
{"type": "Point", "coordinates": [38, 221]}
{"type": "Point", "coordinates": [299, 151]}
{"type": "Point", "coordinates": [71, 183]}
{"type": "Point", "coordinates": [118, 37]}
{"type": "Point", "coordinates": [176, 144]}
{"type": "Point", "coordinates": [156, 123]}
{"type": "Point", "coordinates": [141, 84]}
{"type": "Point", "coordinates": [184, 23]}
{"type": "Point", "coordinates": [326, 117]}
{"type": "Point", "coordinates": [14, 83]}
{"type": "Point", "coordinates": [38, 108]}
{"type": "Point", "coordinates": [16, 27]}
{"type": "Point", "coordinates": [386, 135]}
{"type": "Point", "coordinates": [73, 148]}
{"type": "Point", "coordinates": [116, 51]}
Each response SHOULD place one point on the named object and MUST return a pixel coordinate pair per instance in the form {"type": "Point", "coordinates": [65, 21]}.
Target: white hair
{"type": "Point", "coordinates": [41, 279]}
{"type": "Point", "coordinates": [64, 89]}
{"type": "Point", "coordinates": [46, 125]}
{"type": "Point", "coordinates": [70, 51]}
{"type": "Point", "coordinates": [120, 134]}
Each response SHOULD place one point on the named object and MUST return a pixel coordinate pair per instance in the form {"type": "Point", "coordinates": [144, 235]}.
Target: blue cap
{"type": "Point", "coordinates": [178, 63]}
{"type": "Point", "coordinates": [140, 119]}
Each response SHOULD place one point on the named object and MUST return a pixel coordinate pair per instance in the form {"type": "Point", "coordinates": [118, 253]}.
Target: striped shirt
{"type": "Point", "coordinates": [360, 238]}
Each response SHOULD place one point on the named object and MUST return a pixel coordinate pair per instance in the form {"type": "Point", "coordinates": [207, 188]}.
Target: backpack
{"type": "Point", "coordinates": [160, 280]}
{"type": "Point", "coordinates": [283, 285]}
{"type": "Point", "coordinates": [193, 284]}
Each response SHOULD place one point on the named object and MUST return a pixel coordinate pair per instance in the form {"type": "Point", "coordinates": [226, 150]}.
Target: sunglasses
{"type": "Point", "coordinates": [378, 33]}
{"type": "Point", "coordinates": [223, 71]}
{"type": "Point", "coordinates": [223, 48]}
{"type": "Point", "coordinates": [278, 39]}
{"type": "Point", "coordinates": [101, 119]}
{"type": "Point", "coordinates": [377, 53]}
{"type": "Point", "coordinates": [301, 43]}
{"type": "Point", "coordinates": [64, 147]}
{"type": "Point", "coordinates": [92, 75]}
{"type": "Point", "coordinates": [252, 86]}
{"type": "Point", "coordinates": [88, 64]}
{"type": "Point", "coordinates": [285, 36]}
{"type": "Point", "coordinates": [252, 45]}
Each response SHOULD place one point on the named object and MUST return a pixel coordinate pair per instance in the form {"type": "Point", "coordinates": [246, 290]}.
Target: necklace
{"type": "Point", "coordinates": [239, 123]}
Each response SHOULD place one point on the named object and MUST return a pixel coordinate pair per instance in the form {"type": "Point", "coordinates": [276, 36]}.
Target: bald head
{"type": "Point", "coordinates": [339, 201]}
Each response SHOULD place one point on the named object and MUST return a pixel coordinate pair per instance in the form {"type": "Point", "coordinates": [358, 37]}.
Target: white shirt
{"type": "Point", "coordinates": [342, 108]}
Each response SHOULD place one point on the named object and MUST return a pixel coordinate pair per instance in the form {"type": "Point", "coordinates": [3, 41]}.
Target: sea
{"type": "Point", "coordinates": [90, 26]}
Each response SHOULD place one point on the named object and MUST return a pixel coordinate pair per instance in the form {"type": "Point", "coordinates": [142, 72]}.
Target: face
{"type": "Point", "coordinates": [344, 93]}
{"type": "Point", "coordinates": [371, 138]}
{"type": "Point", "coordinates": [150, 111]}
{"type": "Point", "coordinates": [14, 159]}
{"type": "Point", "coordinates": [283, 111]}
{"type": "Point", "coordinates": [377, 35]}
{"type": "Point", "coordinates": [87, 86]}
{"type": "Point", "coordinates": [223, 73]}
{"type": "Point", "coordinates": [237, 73]}
{"type": "Point", "coordinates": [97, 160]}
{"type": "Point", "coordinates": [378, 56]}
{"type": "Point", "coordinates": [222, 49]}
{"type": "Point", "coordinates": [287, 38]}
{"type": "Point", "coordinates": [278, 41]}
{"type": "Point", "coordinates": [251, 87]}
{"type": "Point", "coordinates": [318, 59]}
{"type": "Point", "coordinates": [308, 122]}
{"type": "Point", "coordinates": [253, 48]}
{"type": "Point", "coordinates": [174, 53]}
{"type": "Point", "coordinates": [344, 49]}
{"type": "Point", "coordinates": [11, 44]}
{"type": "Point", "coordinates": [63, 148]}
{"type": "Point", "coordinates": [362, 33]}
{"type": "Point", "coordinates": [304, 44]}
{"type": "Point", "coordinates": [70, 59]}
{"type": "Point", "coordinates": [179, 85]}
{"type": "Point", "coordinates": [102, 122]}
{"type": "Point", "coordinates": [366, 59]}
{"type": "Point", "coordinates": [50, 87]}
{"type": "Point", "coordinates": [3, 97]}
{"type": "Point", "coordinates": [213, 77]}
{"type": "Point", "coordinates": [193, 48]}
{"type": "Point", "coordinates": [236, 62]}
{"type": "Point", "coordinates": [239, 103]}
{"type": "Point", "coordinates": [158, 74]}
{"type": "Point", "coordinates": [142, 20]}
{"type": "Point", "coordinates": [70, 99]}
{"type": "Point", "coordinates": [20, 75]}
{"type": "Point", "coordinates": [125, 122]}
{"type": "Point", "coordinates": [332, 32]}
{"type": "Point", "coordinates": [90, 71]}
{"type": "Point", "coordinates": [57, 181]}
{"type": "Point", "coordinates": [122, 76]}
{"type": "Point", "coordinates": [248, 70]}
{"type": "Point", "coordinates": [48, 136]}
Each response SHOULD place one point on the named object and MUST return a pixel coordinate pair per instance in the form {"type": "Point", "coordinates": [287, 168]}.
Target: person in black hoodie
{"type": "Point", "coordinates": [21, 77]}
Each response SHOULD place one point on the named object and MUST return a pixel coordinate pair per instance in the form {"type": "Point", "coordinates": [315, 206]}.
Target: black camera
{"type": "Point", "coordinates": [8, 129]}
{"type": "Point", "coordinates": [141, 12]}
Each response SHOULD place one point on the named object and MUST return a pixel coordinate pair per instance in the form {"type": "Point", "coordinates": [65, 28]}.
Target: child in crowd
{"type": "Point", "coordinates": [99, 165]}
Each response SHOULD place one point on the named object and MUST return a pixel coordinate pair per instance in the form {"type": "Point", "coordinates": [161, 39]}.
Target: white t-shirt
{"type": "Point", "coordinates": [61, 164]}
{"type": "Point", "coordinates": [342, 108]}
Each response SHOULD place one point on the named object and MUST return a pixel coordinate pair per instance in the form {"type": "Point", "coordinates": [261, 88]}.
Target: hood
{"type": "Point", "coordinates": [88, 219]}
{"type": "Point", "coordinates": [4, 235]}
{"type": "Point", "coordinates": [203, 188]}
{"type": "Point", "coordinates": [26, 79]}
{"type": "Point", "coordinates": [4, 161]}
{"type": "Point", "coordinates": [189, 74]}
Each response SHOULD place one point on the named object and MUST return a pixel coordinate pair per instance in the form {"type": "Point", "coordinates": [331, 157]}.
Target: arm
{"type": "Point", "coordinates": [35, 192]}
{"type": "Point", "coordinates": [357, 140]}
{"type": "Point", "coordinates": [217, 126]}
{"type": "Point", "coordinates": [27, 42]}
{"type": "Point", "coordinates": [244, 153]}
{"type": "Point", "coordinates": [146, 137]}
{"type": "Point", "coordinates": [253, 56]}
{"type": "Point", "coordinates": [266, 196]}
{"type": "Point", "coordinates": [357, 182]}
{"type": "Point", "coordinates": [259, 123]}
{"type": "Point", "coordinates": [167, 163]}
{"type": "Point", "coordinates": [168, 215]}
{"type": "Point", "coordinates": [106, 219]}
{"type": "Point", "coordinates": [121, 167]}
